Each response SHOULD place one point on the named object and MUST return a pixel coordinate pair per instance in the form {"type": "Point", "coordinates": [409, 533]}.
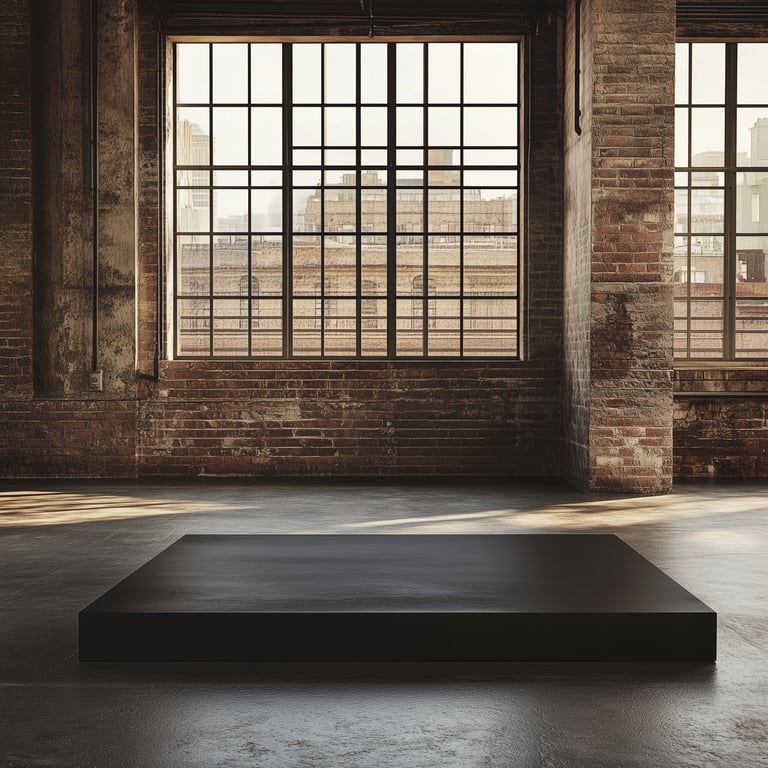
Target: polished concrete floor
{"type": "Point", "coordinates": [62, 545]}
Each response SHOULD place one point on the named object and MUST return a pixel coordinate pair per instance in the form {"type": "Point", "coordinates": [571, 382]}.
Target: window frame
{"type": "Point", "coordinates": [731, 234]}
{"type": "Point", "coordinates": [363, 317]}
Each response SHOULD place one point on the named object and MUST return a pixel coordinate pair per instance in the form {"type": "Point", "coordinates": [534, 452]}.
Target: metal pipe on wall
{"type": "Point", "coordinates": [94, 149]}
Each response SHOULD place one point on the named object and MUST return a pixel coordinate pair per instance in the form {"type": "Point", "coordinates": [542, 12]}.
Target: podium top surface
{"type": "Point", "coordinates": [520, 573]}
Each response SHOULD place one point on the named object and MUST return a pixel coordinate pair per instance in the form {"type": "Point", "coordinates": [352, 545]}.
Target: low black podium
{"type": "Point", "coordinates": [525, 597]}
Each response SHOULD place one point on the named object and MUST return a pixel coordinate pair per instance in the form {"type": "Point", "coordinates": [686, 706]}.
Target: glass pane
{"type": "Point", "coordinates": [707, 210]}
{"type": "Point", "coordinates": [193, 327]}
{"type": "Point", "coordinates": [444, 328]}
{"type": "Point", "coordinates": [306, 126]}
{"type": "Point", "coordinates": [490, 327]}
{"type": "Point", "coordinates": [193, 212]}
{"type": "Point", "coordinates": [307, 157]}
{"type": "Point", "coordinates": [306, 266]}
{"type": "Point", "coordinates": [373, 73]}
{"type": "Point", "coordinates": [752, 202]}
{"type": "Point", "coordinates": [340, 324]}
{"type": "Point", "coordinates": [752, 68]}
{"type": "Point", "coordinates": [752, 137]}
{"type": "Point", "coordinates": [373, 334]}
{"type": "Point", "coordinates": [193, 277]}
{"type": "Point", "coordinates": [230, 267]}
{"type": "Point", "coordinates": [230, 327]}
{"type": "Point", "coordinates": [410, 126]}
{"type": "Point", "coordinates": [373, 210]}
{"type": "Point", "coordinates": [444, 126]}
{"type": "Point", "coordinates": [505, 178]}
{"type": "Point", "coordinates": [272, 178]}
{"type": "Point", "coordinates": [490, 157]}
{"type": "Point", "coordinates": [266, 210]}
{"type": "Point", "coordinates": [410, 72]}
{"type": "Point", "coordinates": [444, 73]}
{"type": "Point", "coordinates": [681, 210]}
{"type": "Point", "coordinates": [230, 178]}
{"type": "Point", "coordinates": [230, 73]}
{"type": "Point", "coordinates": [266, 327]}
{"type": "Point", "coordinates": [410, 210]}
{"type": "Point", "coordinates": [373, 127]}
{"type": "Point", "coordinates": [340, 210]}
{"type": "Point", "coordinates": [490, 210]}
{"type": "Point", "coordinates": [489, 126]}
{"type": "Point", "coordinates": [267, 266]}
{"type": "Point", "coordinates": [681, 137]}
{"type": "Point", "coordinates": [266, 136]}
{"type": "Point", "coordinates": [374, 156]}
{"type": "Point", "coordinates": [706, 328]}
{"type": "Point", "coordinates": [340, 270]}
{"type": "Point", "coordinates": [708, 71]}
{"type": "Point", "coordinates": [706, 267]}
{"type": "Point", "coordinates": [307, 318]}
{"type": "Point", "coordinates": [490, 73]}
{"type": "Point", "coordinates": [444, 261]}
{"type": "Point", "coordinates": [409, 264]}
{"type": "Point", "coordinates": [266, 73]}
{"type": "Point", "coordinates": [340, 69]}
{"type": "Point", "coordinates": [681, 73]}
{"type": "Point", "coordinates": [490, 266]}
{"type": "Point", "coordinates": [751, 277]}
{"type": "Point", "coordinates": [443, 209]}
{"type": "Point", "coordinates": [373, 266]}
{"type": "Point", "coordinates": [192, 75]}
{"type": "Point", "coordinates": [340, 126]}
{"type": "Point", "coordinates": [306, 73]}
{"type": "Point", "coordinates": [230, 210]}
{"type": "Point", "coordinates": [707, 137]}
{"type": "Point", "coordinates": [409, 340]}
{"type": "Point", "coordinates": [306, 210]}
{"type": "Point", "coordinates": [192, 136]}
{"type": "Point", "coordinates": [340, 157]}
{"type": "Point", "coordinates": [752, 329]}
{"type": "Point", "coordinates": [230, 135]}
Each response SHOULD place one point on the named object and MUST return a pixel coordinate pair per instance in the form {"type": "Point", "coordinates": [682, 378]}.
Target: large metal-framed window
{"type": "Point", "coordinates": [721, 201]}
{"type": "Point", "coordinates": [346, 199]}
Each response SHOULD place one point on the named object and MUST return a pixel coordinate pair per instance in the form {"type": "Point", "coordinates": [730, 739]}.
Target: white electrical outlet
{"type": "Point", "coordinates": [95, 382]}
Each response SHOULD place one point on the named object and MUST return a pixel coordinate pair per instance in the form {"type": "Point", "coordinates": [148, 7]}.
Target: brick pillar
{"type": "Point", "coordinates": [618, 263]}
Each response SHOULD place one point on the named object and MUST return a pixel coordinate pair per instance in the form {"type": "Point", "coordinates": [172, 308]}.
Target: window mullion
{"type": "Point", "coordinates": [287, 200]}
{"type": "Point", "coordinates": [391, 200]}
{"type": "Point", "coordinates": [427, 224]}
{"type": "Point", "coordinates": [729, 267]}
{"type": "Point", "coordinates": [358, 206]}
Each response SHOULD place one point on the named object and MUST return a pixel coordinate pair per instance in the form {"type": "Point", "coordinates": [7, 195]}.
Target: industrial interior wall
{"type": "Point", "coordinates": [219, 417]}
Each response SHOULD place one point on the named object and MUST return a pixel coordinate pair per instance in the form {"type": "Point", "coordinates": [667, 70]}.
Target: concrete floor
{"type": "Point", "coordinates": [62, 545]}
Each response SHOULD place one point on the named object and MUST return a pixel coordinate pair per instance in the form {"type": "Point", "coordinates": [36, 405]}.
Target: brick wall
{"type": "Point", "coordinates": [721, 422]}
{"type": "Point", "coordinates": [15, 201]}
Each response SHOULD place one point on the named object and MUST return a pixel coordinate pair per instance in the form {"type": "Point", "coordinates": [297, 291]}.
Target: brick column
{"type": "Point", "coordinates": [619, 214]}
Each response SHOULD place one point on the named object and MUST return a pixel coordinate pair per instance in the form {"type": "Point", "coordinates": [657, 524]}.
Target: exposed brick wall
{"type": "Point", "coordinates": [347, 418]}
{"type": "Point", "coordinates": [68, 438]}
{"type": "Point", "coordinates": [721, 422]}
{"type": "Point", "coordinates": [15, 201]}
{"type": "Point", "coordinates": [632, 139]}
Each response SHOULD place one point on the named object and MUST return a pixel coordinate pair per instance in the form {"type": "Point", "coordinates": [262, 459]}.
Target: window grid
{"type": "Point", "coordinates": [203, 306]}
{"type": "Point", "coordinates": [721, 235]}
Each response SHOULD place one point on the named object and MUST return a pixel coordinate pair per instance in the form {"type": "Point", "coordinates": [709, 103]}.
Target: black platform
{"type": "Point", "coordinates": [554, 597]}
